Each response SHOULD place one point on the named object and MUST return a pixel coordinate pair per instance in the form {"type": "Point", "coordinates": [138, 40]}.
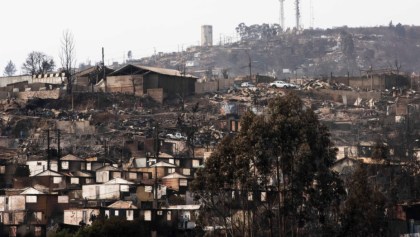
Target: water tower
{"type": "Point", "coordinates": [206, 35]}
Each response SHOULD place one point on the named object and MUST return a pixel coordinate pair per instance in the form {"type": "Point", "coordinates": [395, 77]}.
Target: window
{"type": "Point", "coordinates": [160, 213]}
{"type": "Point", "coordinates": [196, 163]}
{"type": "Point", "coordinates": [116, 213]}
{"type": "Point", "coordinates": [124, 188]}
{"type": "Point", "coordinates": [148, 189]}
{"type": "Point", "coordinates": [63, 199]}
{"type": "Point", "coordinates": [89, 166]}
{"type": "Point", "coordinates": [147, 215]}
{"type": "Point", "coordinates": [31, 199]}
{"type": "Point", "coordinates": [130, 215]}
{"type": "Point", "coordinates": [84, 216]}
{"type": "Point", "coordinates": [263, 196]}
{"type": "Point", "coordinates": [12, 231]}
{"type": "Point", "coordinates": [171, 170]}
{"type": "Point", "coordinates": [2, 169]}
{"type": "Point", "coordinates": [168, 216]}
{"type": "Point", "coordinates": [132, 175]}
{"type": "Point", "coordinates": [116, 175]}
{"type": "Point", "coordinates": [171, 161]}
{"type": "Point", "coordinates": [146, 176]}
{"type": "Point", "coordinates": [250, 197]}
{"type": "Point", "coordinates": [140, 146]}
{"type": "Point", "coordinates": [38, 215]}
{"type": "Point", "coordinates": [65, 165]}
{"type": "Point", "coordinates": [38, 231]}
{"type": "Point", "coordinates": [183, 182]}
{"type": "Point", "coordinates": [106, 213]}
{"type": "Point", "coordinates": [74, 180]}
{"type": "Point", "coordinates": [186, 171]}
{"type": "Point", "coordinates": [57, 180]}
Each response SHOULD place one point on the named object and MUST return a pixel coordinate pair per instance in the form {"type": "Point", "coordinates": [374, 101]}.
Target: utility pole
{"type": "Point", "coordinates": [58, 144]}
{"type": "Point", "coordinates": [249, 65]}
{"type": "Point", "coordinates": [48, 150]}
{"type": "Point", "coordinates": [103, 67]}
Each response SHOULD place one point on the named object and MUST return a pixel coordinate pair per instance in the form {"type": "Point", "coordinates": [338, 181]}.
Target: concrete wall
{"type": "Point", "coordinates": [15, 203]}
{"type": "Point", "coordinates": [337, 95]}
{"type": "Point", "coordinates": [76, 127]}
{"type": "Point", "coordinates": [49, 78]}
{"type": "Point", "coordinates": [36, 167]}
{"type": "Point", "coordinates": [74, 216]}
{"type": "Point", "coordinates": [4, 81]}
{"type": "Point", "coordinates": [213, 86]}
{"type": "Point", "coordinates": [106, 191]}
{"type": "Point", "coordinates": [373, 82]}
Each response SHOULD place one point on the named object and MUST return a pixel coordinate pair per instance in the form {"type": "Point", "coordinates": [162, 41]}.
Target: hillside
{"type": "Point", "coordinates": [312, 53]}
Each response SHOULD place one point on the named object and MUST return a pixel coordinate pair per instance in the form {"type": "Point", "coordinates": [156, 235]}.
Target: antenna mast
{"type": "Point", "coordinates": [311, 15]}
{"type": "Point", "coordinates": [297, 15]}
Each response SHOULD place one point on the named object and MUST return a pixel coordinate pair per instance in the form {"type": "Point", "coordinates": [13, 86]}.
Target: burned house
{"type": "Point", "coordinates": [87, 78]}
{"type": "Point", "coordinates": [141, 80]}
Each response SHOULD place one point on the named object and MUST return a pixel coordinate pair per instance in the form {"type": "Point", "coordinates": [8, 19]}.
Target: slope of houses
{"type": "Point", "coordinates": [73, 191]}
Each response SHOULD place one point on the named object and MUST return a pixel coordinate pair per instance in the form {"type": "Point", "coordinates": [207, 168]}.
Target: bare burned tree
{"type": "Point", "coordinates": [68, 58]}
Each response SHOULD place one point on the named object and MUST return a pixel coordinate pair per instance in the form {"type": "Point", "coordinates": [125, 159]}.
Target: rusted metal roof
{"type": "Point", "coordinates": [122, 205]}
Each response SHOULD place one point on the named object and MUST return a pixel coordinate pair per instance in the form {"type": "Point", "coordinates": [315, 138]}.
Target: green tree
{"type": "Point", "coordinates": [364, 208]}
{"type": "Point", "coordinates": [115, 227]}
{"type": "Point", "coordinates": [285, 153]}
{"type": "Point", "coordinates": [10, 69]}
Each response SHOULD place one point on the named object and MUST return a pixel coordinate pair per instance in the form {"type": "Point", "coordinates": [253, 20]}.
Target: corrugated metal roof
{"type": "Point", "coordinates": [119, 181]}
{"type": "Point", "coordinates": [49, 173]}
{"type": "Point", "coordinates": [81, 174]}
{"type": "Point", "coordinates": [71, 157]}
{"type": "Point", "coordinates": [163, 164]}
{"type": "Point", "coordinates": [31, 191]}
{"type": "Point", "coordinates": [91, 159]}
{"type": "Point", "coordinates": [163, 71]}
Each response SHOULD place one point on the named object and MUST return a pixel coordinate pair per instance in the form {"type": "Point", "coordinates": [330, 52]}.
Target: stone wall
{"type": "Point", "coordinates": [49, 94]}
{"type": "Point", "coordinates": [76, 127]}
{"type": "Point", "coordinates": [337, 95]}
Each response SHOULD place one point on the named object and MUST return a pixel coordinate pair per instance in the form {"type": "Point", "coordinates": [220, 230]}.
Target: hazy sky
{"type": "Point", "coordinates": [166, 25]}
